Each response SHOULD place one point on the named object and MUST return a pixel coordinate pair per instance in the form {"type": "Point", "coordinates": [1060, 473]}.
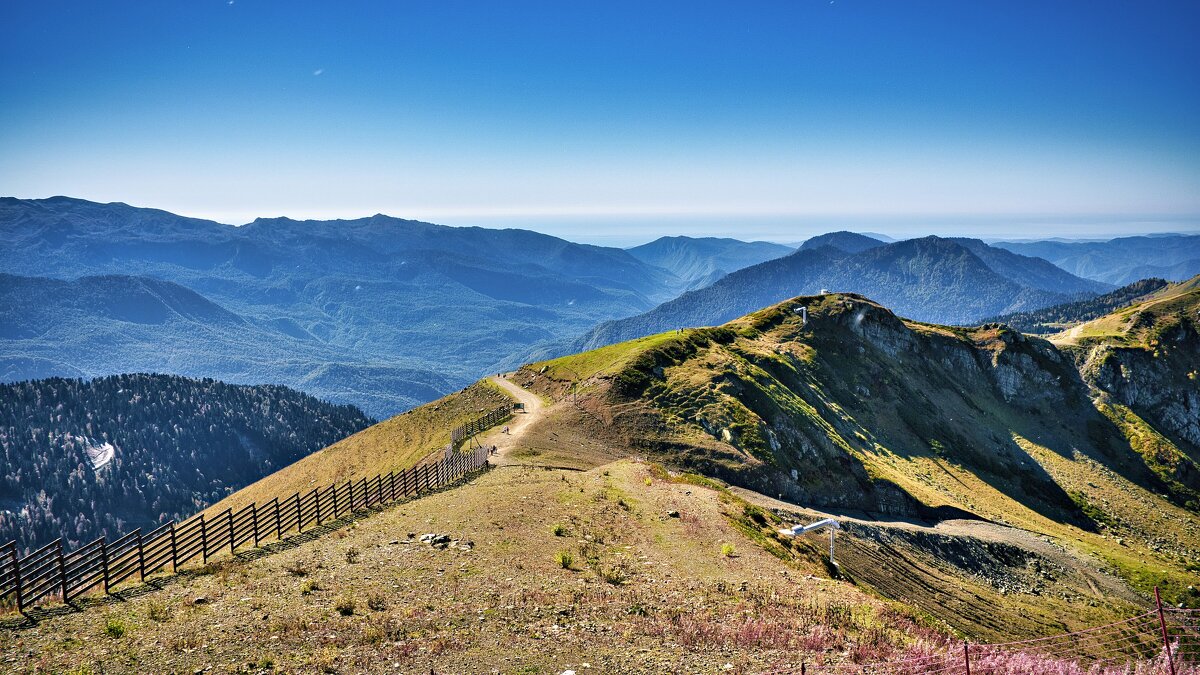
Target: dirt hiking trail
{"type": "Point", "coordinates": [520, 423]}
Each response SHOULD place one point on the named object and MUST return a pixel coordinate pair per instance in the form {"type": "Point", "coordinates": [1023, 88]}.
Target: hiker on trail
{"type": "Point", "coordinates": [506, 428]}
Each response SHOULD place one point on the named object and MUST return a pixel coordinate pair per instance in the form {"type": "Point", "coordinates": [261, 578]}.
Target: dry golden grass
{"type": "Point", "coordinates": [645, 592]}
{"type": "Point", "coordinates": [391, 445]}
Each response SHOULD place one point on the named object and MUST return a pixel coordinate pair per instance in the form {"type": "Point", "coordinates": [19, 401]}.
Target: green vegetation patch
{"type": "Point", "coordinates": [1161, 456]}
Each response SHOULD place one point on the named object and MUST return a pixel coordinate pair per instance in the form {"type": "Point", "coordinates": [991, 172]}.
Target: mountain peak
{"type": "Point", "coordinates": [848, 242]}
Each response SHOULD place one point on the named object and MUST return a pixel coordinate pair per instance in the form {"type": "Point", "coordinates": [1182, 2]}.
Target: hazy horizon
{"type": "Point", "coordinates": [628, 230]}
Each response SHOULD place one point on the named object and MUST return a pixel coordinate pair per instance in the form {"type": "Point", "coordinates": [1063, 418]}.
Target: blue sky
{"type": "Point", "coordinates": [616, 122]}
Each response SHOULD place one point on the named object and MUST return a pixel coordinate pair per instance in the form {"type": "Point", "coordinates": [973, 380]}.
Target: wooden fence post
{"type": "Point", "coordinates": [62, 571]}
{"type": "Point", "coordinates": [203, 540]}
{"type": "Point", "coordinates": [141, 557]}
{"type": "Point", "coordinates": [278, 520]}
{"type": "Point", "coordinates": [20, 586]}
{"type": "Point", "coordinates": [254, 515]}
{"type": "Point", "coordinates": [104, 562]}
{"type": "Point", "coordinates": [231, 546]}
{"type": "Point", "coordinates": [967, 656]}
{"type": "Point", "coordinates": [174, 552]}
{"type": "Point", "coordinates": [1162, 622]}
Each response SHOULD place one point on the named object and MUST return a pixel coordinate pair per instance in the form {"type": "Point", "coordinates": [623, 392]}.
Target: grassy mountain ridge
{"type": "Point", "coordinates": [875, 413]}
{"type": "Point", "coordinates": [1144, 360]}
{"type": "Point", "coordinates": [391, 445]}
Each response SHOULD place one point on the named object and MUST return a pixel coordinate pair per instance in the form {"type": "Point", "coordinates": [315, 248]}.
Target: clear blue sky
{"type": "Point", "coordinates": [613, 121]}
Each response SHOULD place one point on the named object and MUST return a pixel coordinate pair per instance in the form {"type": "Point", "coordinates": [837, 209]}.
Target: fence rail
{"type": "Point", "coordinates": [50, 573]}
{"type": "Point", "coordinates": [487, 421]}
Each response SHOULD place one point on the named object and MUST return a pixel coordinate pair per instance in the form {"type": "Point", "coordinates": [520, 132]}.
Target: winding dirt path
{"type": "Point", "coordinates": [521, 421]}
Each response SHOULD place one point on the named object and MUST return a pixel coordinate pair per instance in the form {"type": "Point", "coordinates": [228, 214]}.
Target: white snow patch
{"type": "Point", "coordinates": [100, 454]}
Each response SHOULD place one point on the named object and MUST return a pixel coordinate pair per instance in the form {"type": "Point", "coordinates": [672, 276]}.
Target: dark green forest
{"type": "Point", "coordinates": [1053, 319]}
{"type": "Point", "coordinates": [176, 445]}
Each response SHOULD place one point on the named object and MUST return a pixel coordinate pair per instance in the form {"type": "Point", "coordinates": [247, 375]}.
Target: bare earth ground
{"type": "Point", "coordinates": [642, 592]}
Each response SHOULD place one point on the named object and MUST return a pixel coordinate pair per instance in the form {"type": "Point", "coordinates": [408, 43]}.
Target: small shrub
{"type": "Point", "coordinates": [728, 550]}
{"type": "Point", "coordinates": [564, 559]}
{"type": "Point", "coordinates": [297, 569]}
{"type": "Point", "coordinates": [345, 605]}
{"type": "Point", "coordinates": [560, 530]}
{"type": "Point", "coordinates": [377, 602]}
{"type": "Point", "coordinates": [352, 555]}
{"type": "Point", "coordinates": [158, 611]}
{"type": "Point", "coordinates": [114, 627]}
{"type": "Point", "coordinates": [309, 586]}
{"type": "Point", "coordinates": [649, 482]}
{"type": "Point", "coordinates": [616, 575]}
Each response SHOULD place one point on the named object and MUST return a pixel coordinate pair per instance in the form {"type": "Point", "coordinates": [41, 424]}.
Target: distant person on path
{"type": "Point", "coordinates": [506, 429]}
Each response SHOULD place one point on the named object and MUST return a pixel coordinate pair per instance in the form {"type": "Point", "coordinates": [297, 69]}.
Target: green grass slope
{"type": "Point", "coordinates": [860, 410]}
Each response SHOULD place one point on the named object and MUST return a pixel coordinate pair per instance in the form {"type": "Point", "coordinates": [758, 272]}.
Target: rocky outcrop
{"type": "Point", "coordinates": [1160, 384]}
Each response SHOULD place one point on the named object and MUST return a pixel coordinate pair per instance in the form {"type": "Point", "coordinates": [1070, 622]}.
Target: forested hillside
{"type": "Point", "coordinates": [102, 457]}
{"type": "Point", "coordinates": [1054, 319]}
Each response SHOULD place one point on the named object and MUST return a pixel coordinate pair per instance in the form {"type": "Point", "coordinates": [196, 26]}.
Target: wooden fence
{"type": "Point", "coordinates": [487, 421]}
{"type": "Point", "coordinates": [50, 573]}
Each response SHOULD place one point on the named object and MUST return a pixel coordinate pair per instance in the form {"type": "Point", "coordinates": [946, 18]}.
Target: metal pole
{"type": "Point", "coordinates": [967, 656]}
{"type": "Point", "coordinates": [1162, 622]}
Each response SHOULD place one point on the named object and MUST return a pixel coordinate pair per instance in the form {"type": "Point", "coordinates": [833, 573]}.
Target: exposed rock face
{"type": "Point", "coordinates": [1159, 385]}
{"type": "Point", "coordinates": [1028, 370]}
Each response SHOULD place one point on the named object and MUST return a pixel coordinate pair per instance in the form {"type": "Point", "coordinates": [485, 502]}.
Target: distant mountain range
{"type": "Point", "coordinates": [701, 261]}
{"type": "Point", "coordinates": [387, 313]}
{"type": "Point", "coordinates": [954, 281]}
{"type": "Point", "coordinates": [96, 326]}
{"type": "Point", "coordinates": [133, 451]}
{"type": "Point", "coordinates": [1120, 261]}
{"type": "Point", "coordinates": [348, 310]}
